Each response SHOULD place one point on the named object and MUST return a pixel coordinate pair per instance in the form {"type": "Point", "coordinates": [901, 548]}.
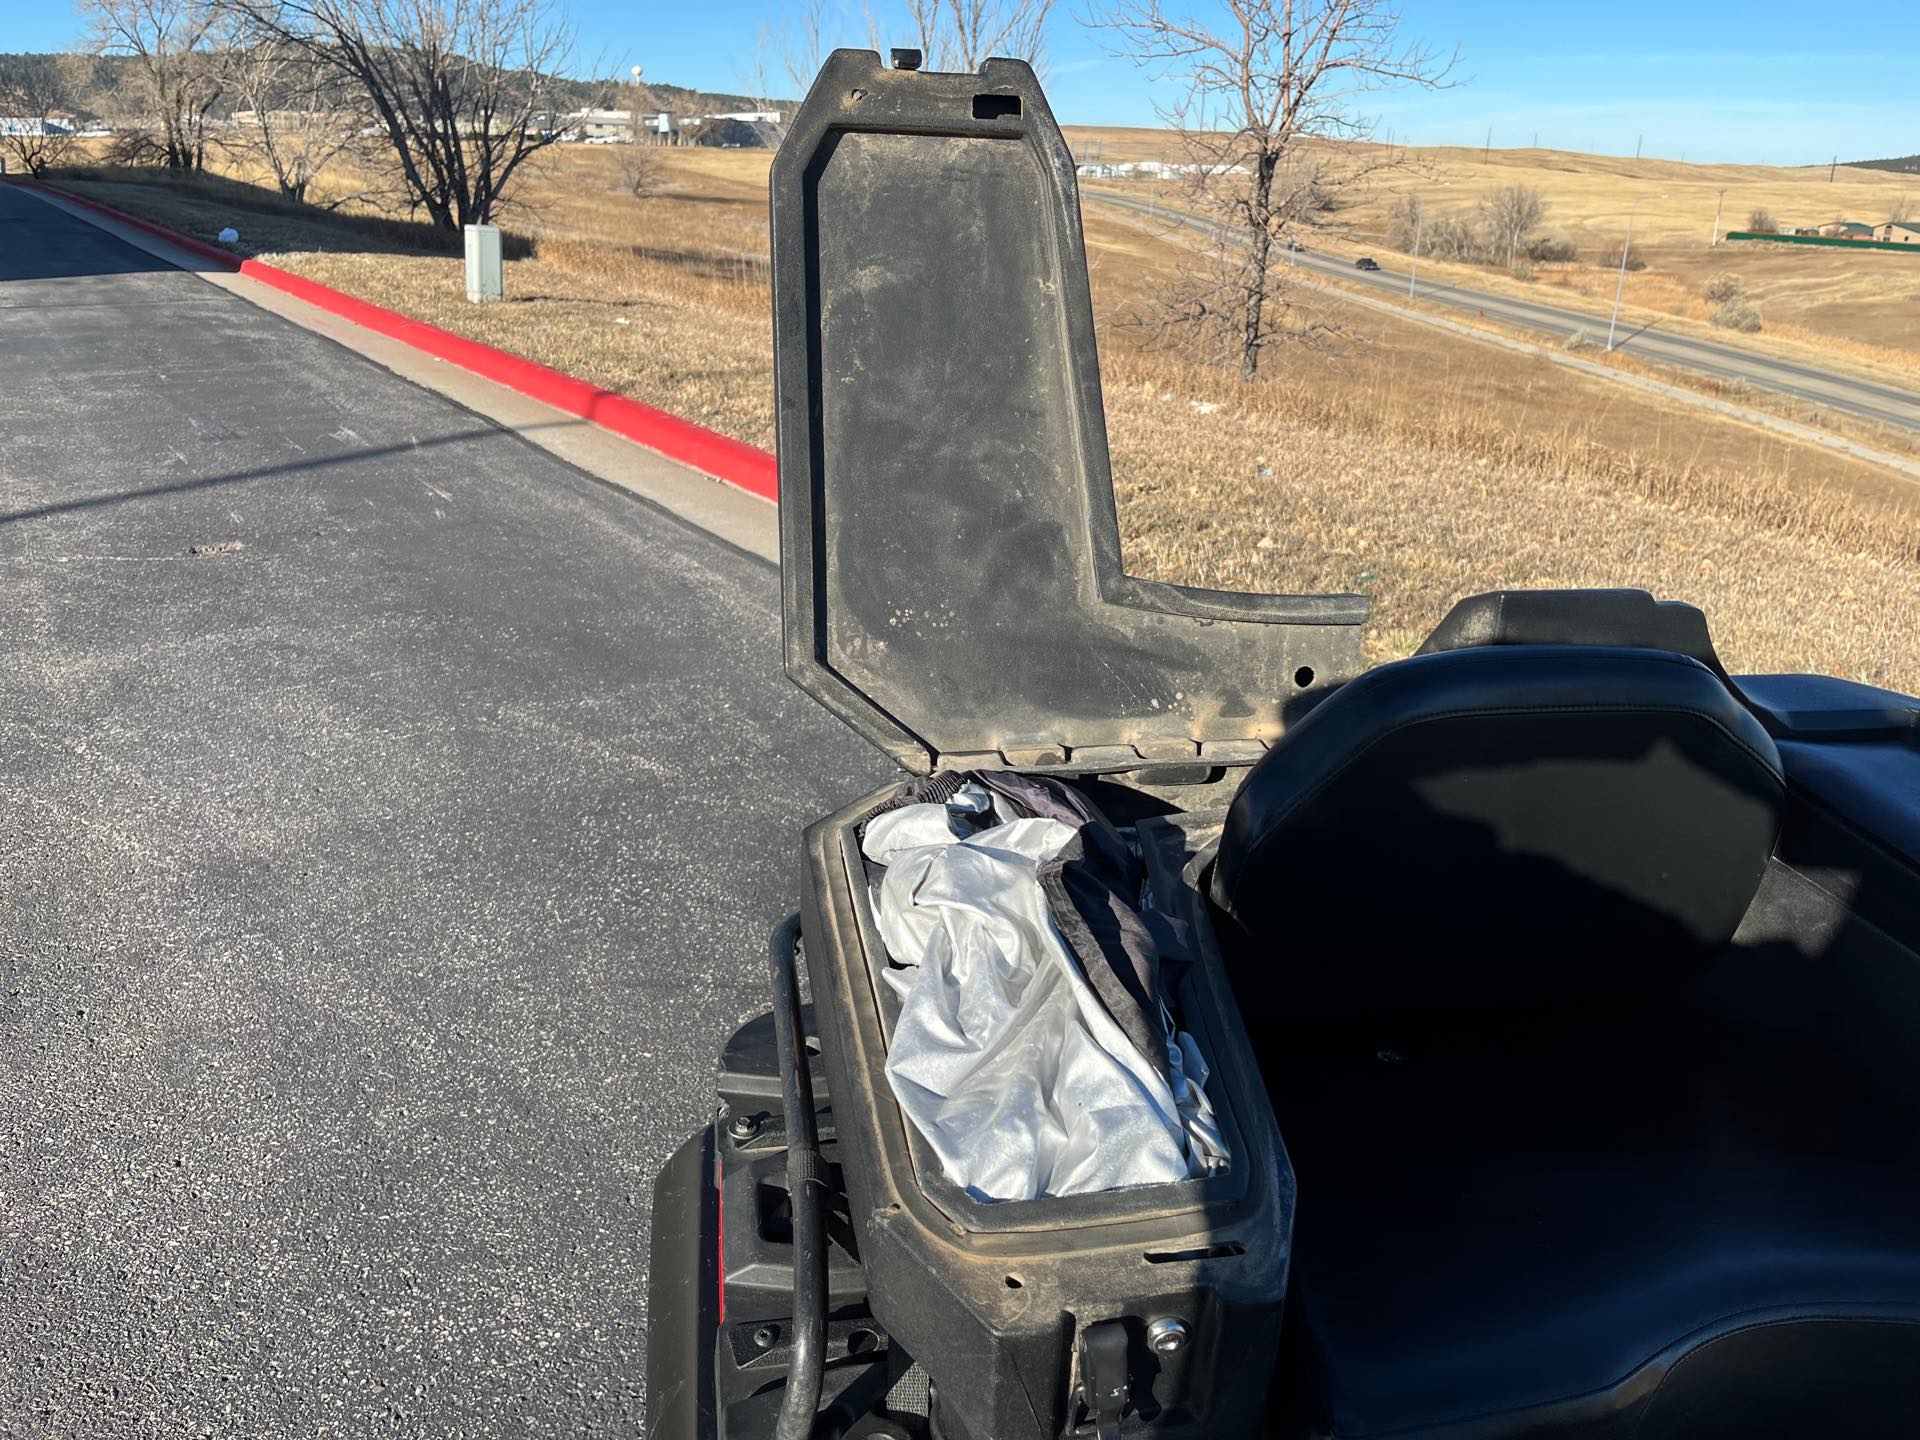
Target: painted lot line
{"type": "Point", "coordinates": [390, 819]}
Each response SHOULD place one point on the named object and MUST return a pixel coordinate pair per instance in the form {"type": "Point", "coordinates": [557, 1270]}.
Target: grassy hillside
{"type": "Point", "coordinates": [1412, 466]}
{"type": "Point", "coordinates": [93, 81]}
{"type": "Point", "coordinates": [1852, 309]}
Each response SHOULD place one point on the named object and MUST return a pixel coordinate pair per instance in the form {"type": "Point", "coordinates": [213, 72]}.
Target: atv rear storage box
{"type": "Point", "coordinates": [953, 590]}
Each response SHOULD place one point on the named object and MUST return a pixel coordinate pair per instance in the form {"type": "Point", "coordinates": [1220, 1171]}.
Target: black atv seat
{"type": "Point", "coordinates": [1648, 1226]}
{"type": "Point", "coordinates": [1563, 820]}
{"type": "Point", "coordinates": [1479, 907]}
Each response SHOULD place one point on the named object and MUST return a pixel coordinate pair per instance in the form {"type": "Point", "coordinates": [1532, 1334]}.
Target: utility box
{"type": "Point", "coordinates": [483, 263]}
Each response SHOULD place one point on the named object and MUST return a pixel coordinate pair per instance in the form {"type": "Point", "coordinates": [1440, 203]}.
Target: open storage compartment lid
{"type": "Point", "coordinates": [950, 557]}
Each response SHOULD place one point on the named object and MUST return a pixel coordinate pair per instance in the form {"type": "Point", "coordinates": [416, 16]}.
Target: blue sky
{"type": "Point", "coordinates": [1764, 80]}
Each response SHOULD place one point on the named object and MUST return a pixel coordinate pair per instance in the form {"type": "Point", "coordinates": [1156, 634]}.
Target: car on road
{"type": "Point", "coordinates": [1366, 262]}
{"type": "Point", "coordinates": [1295, 245]}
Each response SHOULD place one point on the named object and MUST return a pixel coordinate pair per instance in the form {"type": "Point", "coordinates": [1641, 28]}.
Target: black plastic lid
{"type": "Point", "coordinates": [950, 558]}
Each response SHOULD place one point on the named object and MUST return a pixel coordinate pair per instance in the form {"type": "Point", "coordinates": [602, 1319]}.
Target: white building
{"type": "Point", "coordinates": [665, 128]}
{"type": "Point", "coordinates": [37, 125]}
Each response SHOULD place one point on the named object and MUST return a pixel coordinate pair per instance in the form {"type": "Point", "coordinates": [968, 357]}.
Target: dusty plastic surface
{"type": "Point", "coordinates": [949, 550]}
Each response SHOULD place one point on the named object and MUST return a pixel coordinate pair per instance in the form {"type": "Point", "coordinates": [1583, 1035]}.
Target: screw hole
{"type": "Point", "coordinates": [1013, 1282]}
{"type": "Point", "coordinates": [1303, 677]}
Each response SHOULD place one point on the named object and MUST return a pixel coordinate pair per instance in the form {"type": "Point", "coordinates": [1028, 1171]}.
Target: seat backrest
{"type": "Point", "coordinates": [1576, 617]}
{"type": "Point", "coordinates": [1506, 825]}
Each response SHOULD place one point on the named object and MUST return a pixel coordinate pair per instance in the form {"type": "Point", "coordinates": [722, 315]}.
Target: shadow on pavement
{"type": "Point", "coordinates": [82, 249]}
{"type": "Point", "coordinates": [293, 224]}
{"type": "Point", "coordinates": [241, 477]}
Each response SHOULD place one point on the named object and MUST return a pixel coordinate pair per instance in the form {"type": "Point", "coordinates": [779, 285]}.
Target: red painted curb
{"type": "Point", "coordinates": [721, 456]}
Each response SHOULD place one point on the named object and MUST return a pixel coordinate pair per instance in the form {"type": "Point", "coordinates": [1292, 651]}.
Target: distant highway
{"type": "Point", "coordinates": [1865, 399]}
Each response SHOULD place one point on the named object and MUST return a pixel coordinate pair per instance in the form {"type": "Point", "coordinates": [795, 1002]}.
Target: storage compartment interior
{"type": "Point", "coordinates": [1166, 902]}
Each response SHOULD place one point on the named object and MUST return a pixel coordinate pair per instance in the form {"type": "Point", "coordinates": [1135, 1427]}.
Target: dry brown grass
{"type": "Point", "coordinates": [1272, 492]}
{"type": "Point", "coordinates": [1408, 465]}
{"type": "Point", "coordinates": [203, 205]}
{"type": "Point", "coordinates": [1819, 464]}
{"type": "Point", "coordinates": [1857, 308]}
{"type": "Point", "coordinates": [697, 344]}
{"type": "Point", "coordinates": [1589, 195]}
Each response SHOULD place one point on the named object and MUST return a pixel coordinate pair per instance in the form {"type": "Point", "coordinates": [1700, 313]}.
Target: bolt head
{"type": "Point", "coordinates": [1167, 1336]}
{"type": "Point", "coordinates": [765, 1336]}
{"type": "Point", "coordinates": [743, 1127]}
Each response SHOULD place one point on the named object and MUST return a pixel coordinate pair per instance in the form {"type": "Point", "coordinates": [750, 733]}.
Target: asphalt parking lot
{"type": "Point", "coordinates": [391, 817]}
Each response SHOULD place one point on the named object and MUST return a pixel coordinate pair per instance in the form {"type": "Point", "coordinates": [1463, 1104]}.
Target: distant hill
{"type": "Point", "coordinates": [678, 99]}
{"type": "Point", "coordinates": [1907, 164]}
{"type": "Point", "coordinates": [92, 79]}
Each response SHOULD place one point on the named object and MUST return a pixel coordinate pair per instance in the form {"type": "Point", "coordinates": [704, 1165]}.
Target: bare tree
{"type": "Point", "coordinates": [36, 96]}
{"type": "Point", "coordinates": [177, 79]}
{"type": "Point", "coordinates": [292, 115]}
{"type": "Point", "coordinates": [1900, 210]}
{"type": "Point", "coordinates": [802, 42]}
{"type": "Point", "coordinates": [1761, 222]}
{"type": "Point", "coordinates": [642, 105]}
{"type": "Point", "coordinates": [1439, 235]}
{"type": "Point", "coordinates": [1263, 88]}
{"type": "Point", "coordinates": [640, 171]}
{"type": "Point", "coordinates": [639, 165]}
{"type": "Point", "coordinates": [463, 89]}
{"type": "Point", "coordinates": [753, 70]}
{"type": "Point", "coordinates": [1510, 214]}
{"type": "Point", "coordinates": [1406, 222]}
{"type": "Point", "coordinates": [961, 34]}
{"type": "Point", "coordinates": [876, 27]}
{"type": "Point", "coordinates": [812, 28]}
{"type": "Point", "coordinates": [1723, 287]}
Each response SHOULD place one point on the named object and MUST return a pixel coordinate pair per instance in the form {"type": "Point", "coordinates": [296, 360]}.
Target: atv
{"type": "Point", "coordinates": [1513, 1040]}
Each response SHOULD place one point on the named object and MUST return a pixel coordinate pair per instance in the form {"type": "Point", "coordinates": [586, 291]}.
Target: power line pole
{"type": "Point", "coordinates": [1419, 217]}
{"type": "Point", "coordinates": [1621, 285]}
{"type": "Point", "coordinates": [1717, 204]}
{"type": "Point", "coordinates": [1638, 141]}
{"type": "Point", "coordinates": [1487, 154]}
{"type": "Point", "coordinates": [1831, 168]}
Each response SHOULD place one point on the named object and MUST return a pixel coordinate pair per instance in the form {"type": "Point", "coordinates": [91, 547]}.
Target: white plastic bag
{"type": "Point", "coordinates": [1003, 1057]}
